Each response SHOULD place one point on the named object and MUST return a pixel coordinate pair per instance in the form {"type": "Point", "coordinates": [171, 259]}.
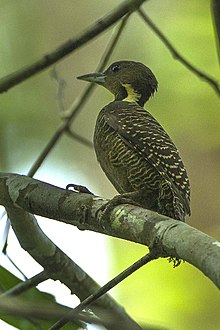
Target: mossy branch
{"type": "Point", "coordinates": [169, 237]}
{"type": "Point", "coordinates": [54, 261]}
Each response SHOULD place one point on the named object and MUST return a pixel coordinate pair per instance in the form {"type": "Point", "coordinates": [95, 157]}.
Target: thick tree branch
{"type": "Point", "coordinates": [170, 237]}
{"type": "Point", "coordinates": [71, 45]}
{"type": "Point", "coordinates": [53, 260]}
{"type": "Point", "coordinates": [213, 83]}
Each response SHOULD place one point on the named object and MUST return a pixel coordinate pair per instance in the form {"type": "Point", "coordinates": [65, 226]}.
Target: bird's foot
{"type": "Point", "coordinates": [104, 212]}
{"type": "Point", "coordinates": [79, 188]}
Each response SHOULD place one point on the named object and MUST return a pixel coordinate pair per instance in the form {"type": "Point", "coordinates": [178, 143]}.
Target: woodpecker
{"type": "Point", "coordinates": [133, 149]}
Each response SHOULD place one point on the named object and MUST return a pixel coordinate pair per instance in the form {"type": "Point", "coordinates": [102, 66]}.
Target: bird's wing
{"type": "Point", "coordinates": [141, 131]}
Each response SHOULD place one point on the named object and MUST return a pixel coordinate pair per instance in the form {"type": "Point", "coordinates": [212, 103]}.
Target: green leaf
{"type": "Point", "coordinates": [33, 299]}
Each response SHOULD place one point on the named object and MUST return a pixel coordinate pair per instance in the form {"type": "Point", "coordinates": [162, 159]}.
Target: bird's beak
{"type": "Point", "coordinates": [97, 77]}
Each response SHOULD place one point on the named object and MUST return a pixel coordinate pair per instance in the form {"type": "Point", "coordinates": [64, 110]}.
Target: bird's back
{"type": "Point", "coordinates": [138, 156]}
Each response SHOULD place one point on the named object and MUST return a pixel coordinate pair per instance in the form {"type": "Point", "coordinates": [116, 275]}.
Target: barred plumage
{"type": "Point", "coordinates": [133, 149]}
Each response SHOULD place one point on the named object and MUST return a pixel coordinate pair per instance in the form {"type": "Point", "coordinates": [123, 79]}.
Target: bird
{"type": "Point", "coordinates": [133, 149]}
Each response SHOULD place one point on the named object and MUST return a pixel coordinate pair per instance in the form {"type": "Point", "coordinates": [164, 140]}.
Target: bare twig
{"type": "Point", "coordinates": [26, 285]}
{"type": "Point", "coordinates": [215, 4]}
{"type": "Point", "coordinates": [7, 227]}
{"type": "Point", "coordinates": [213, 83]}
{"type": "Point", "coordinates": [79, 138]}
{"type": "Point", "coordinates": [79, 102]}
{"type": "Point", "coordinates": [105, 288]}
{"type": "Point", "coordinates": [61, 83]}
{"type": "Point", "coordinates": [70, 46]}
{"type": "Point", "coordinates": [18, 307]}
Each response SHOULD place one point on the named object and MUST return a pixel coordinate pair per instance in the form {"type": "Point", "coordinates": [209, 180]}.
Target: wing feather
{"type": "Point", "coordinates": [140, 131]}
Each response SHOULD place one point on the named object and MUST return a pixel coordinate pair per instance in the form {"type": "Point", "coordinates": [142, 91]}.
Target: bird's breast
{"type": "Point", "coordinates": [123, 166]}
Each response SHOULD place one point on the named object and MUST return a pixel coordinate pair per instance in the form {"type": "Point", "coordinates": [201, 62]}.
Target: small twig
{"type": "Point", "coordinates": [108, 286]}
{"type": "Point", "coordinates": [4, 238]}
{"type": "Point", "coordinates": [61, 83]}
{"type": "Point", "coordinates": [79, 138]}
{"type": "Point", "coordinates": [74, 109]}
{"type": "Point", "coordinates": [9, 258]}
{"type": "Point", "coordinates": [42, 311]}
{"type": "Point", "coordinates": [215, 4]}
{"type": "Point", "coordinates": [213, 83]}
{"type": "Point", "coordinates": [78, 103]}
{"type": "Point", "coordinates": [70, 46]}
{"type": "Point", "coordinates": [50, 145]}
{"type": "Point", "coordinates": [26, 285]}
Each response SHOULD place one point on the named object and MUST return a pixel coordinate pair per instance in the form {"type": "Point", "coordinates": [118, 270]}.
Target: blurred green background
{"type": "Point", "coordinates": [186, 106]}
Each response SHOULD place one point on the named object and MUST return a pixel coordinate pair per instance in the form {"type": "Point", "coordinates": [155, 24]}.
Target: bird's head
{"type": "Point", "coordinates": [127, 80]}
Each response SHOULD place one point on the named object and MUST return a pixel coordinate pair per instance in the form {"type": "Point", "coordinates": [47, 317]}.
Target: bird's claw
{"type": "Point", "coordinates": [79, 188]}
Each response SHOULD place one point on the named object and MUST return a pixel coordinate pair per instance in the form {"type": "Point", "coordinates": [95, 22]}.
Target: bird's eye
{"type": "Point", "coordinates": [115, 68]}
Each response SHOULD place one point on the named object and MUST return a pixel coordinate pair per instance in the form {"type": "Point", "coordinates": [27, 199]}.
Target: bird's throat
{"type": "Point", "coordinates": [132, 95]}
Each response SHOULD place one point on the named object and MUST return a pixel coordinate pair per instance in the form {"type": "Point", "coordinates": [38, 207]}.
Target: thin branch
{"type": "Point", "coordinates": [108, 286]}
{"type": "Point", "coordinates": [70, 46]}
{"type": "Point", "coordinates": [215, 6]}
{"type": "Point", "coordinates": [79, 102]}
{"type": "Point", "coordinates": [7, 227]}
{"type": "Point", "coordinates": [79, 138]}
{"type": "Point", "coordinates": [16, 306]}
{"type": "Point", "coordinates": [61, 85]}
{"type": "Point", "coordinates": [26, 285]}
{"type": "Point", "coordinates": [71, 113]}
{"type": "Point", "coordinates": [213, 83]}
